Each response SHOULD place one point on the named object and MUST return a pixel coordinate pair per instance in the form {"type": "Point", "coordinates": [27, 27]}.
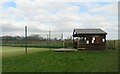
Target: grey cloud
{"type": "Point", "coordinates": [10, 28]}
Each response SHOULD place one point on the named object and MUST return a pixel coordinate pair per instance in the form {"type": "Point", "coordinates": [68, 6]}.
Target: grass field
{"type": "Point", "coordinates": [39, 60]}
{"type": "Point", "coordinates": [14, 51]}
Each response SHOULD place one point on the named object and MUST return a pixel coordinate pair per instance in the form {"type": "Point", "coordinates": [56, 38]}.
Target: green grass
{"type": "Point", "coordinates": [0, 59]}
{"type": "Point", "coordinates": [14, 51]}
{"type": "Point", "coordinates": [49, 61]}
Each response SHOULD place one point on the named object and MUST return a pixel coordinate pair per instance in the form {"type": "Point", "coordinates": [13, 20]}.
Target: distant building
{"type": "Point", "coordinates": [89, 39]}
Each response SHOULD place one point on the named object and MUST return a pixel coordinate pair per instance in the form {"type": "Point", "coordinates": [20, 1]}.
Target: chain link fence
{"type": "Point", "coordinates": [41, 40]}
{"type": "Point", "coordinates": [112, 44]}
{"type": "Point", "coordinates": [46, 40]}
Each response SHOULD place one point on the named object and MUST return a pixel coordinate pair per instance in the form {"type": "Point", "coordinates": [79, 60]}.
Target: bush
{"type": "Point", "coordinates": [68, 44]}
{"type": "Point", "coordinates": [112, 44]}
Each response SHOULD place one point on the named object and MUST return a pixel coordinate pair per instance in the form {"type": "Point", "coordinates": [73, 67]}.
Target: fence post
{"type": "Point", "coordinates": [114, 44]}
{"type": "Point", "coordinates": [49, 40]}
{"type": "Point", "coordinates": [62, 39]}
{"type": "Point", "coordinates": [26, 40]}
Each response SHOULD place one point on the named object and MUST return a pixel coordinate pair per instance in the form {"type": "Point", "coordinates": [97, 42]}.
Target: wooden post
{"type": "Point", "coordinates": [114, 44]}
{"type": "Point", "coordinates": [26, 40]}
{"type": "Point", "coordinates": [47, 40]}
{"type": "Point", "coordinates": [105, 41]}
{"type": "Point", "coordinates": [62, 40]}
{"type": "Point", "coordinates": [73, 39]}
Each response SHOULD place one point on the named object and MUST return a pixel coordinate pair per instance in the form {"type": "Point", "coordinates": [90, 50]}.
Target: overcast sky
{"type": "Point", "coordinates": [59, 17]}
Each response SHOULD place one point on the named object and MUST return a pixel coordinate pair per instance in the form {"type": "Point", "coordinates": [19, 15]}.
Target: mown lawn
{"type": "Point", "coordinates": [8, 51]}
{"type": "Point", "coordinates": [49, 61]}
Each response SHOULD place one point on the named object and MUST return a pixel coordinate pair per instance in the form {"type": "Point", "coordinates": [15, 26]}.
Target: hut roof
{"type": "Point", "coordinates": [89, 31]}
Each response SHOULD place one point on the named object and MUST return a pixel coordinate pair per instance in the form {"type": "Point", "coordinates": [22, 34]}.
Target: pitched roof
{"type": "Point", "coordinates": [89, 31]}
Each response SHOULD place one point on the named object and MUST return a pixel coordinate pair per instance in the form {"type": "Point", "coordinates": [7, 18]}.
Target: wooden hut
{"type": "Point", "coordinates": [89, 39]}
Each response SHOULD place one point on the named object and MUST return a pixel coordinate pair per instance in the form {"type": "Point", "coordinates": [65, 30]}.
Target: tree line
{"type": "Point", "coordinates": [21, 39]}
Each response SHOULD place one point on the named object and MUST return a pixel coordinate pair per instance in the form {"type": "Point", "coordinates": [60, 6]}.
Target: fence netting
{"type": "Point", "coordinates": [43, 40]}
{"type": "Point", "coordinates": [112, 44]}
{"type": "Point", "coordinates": [46, 40]}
